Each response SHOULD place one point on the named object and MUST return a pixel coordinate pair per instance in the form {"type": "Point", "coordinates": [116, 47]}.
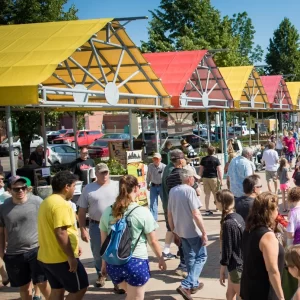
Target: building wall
{"type": "Point", "coordinates": [94, 122]}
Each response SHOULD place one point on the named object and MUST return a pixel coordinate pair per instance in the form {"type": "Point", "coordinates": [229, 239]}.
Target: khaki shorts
{"type": "Point", "coordinates": [210, 185]}
{"type": "Point", "coordinates": [235, 276]}
{"type": "Point", "coordinates": [271, 175]}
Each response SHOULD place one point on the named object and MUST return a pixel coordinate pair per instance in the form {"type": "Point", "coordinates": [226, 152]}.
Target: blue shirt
{"type": "Point", "coordinates": [239, 168]}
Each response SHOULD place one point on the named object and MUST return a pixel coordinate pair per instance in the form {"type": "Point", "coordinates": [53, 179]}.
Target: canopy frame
{"type": "Point", "coordinates": [71, 87]}
{"type": "Point", "coordinates": [195, 84]}
{"type": "Point", "coordinates": [249, 93]}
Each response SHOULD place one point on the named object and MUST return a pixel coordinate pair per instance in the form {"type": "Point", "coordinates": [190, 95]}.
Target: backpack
{"type": "Point", "coordinates": [116, 249]}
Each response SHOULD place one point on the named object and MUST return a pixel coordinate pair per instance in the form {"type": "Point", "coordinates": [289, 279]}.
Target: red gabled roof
{"type": "Point", "coordinates": [271, 84]}
{"type": "Point", "coordinates": [175, 68]}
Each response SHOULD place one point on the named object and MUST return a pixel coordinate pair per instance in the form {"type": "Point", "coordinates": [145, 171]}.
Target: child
{"type": "Point", "coordinates": [292, 260]}
{"type": "Point", "coordinates": [232, 227]}
{"type": "Point", "coordinates": [282, 175]}
{"type": "Point", "coordinates": [293, 228]}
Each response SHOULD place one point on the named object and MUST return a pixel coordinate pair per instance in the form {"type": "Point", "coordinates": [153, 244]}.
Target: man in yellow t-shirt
{"type": "Point", "coordinates": [58, 240]}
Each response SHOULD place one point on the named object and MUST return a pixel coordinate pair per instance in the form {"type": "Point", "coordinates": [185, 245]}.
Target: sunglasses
{"type": "Point", "coordinates": [84, 153]}
{"type": "Point", "coordinates": [18, 189]}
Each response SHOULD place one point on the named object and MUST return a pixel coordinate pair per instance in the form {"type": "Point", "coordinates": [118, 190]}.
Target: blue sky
{"type": "Point", "coordinates": [265, 14]}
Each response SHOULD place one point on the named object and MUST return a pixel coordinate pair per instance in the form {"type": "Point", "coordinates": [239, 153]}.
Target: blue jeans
{"type": "Point", "coordinates": [96, 245]}
{"type": "Point", "coordinates": [195, 258]}
{"type": "Point", "coordinates": [155, 191]}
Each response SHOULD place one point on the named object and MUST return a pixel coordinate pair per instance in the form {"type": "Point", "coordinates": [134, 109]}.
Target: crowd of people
{"type": "Point", "coordinates": [259, 247]}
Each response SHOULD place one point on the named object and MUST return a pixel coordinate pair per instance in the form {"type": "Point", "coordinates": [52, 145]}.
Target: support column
{"type": "Point", "coordinates": [221, 131]}
{"type": "Point", "coordinates": [276, 124]}
{"type": "Point", "coordinates": [208, 127]}
{"type": "Point", "coordinates": [249, 119]}
{"type": "Point", "coordinates": [74, 120]}
{"type": "Point", "coordinates": [224, 137]}
{"type": "Point", "coordinates": [130, 129]}
{"type": "Point", "coordinates": [159, 126]}
{"type": "Point", "coordinates": [44, 135]}
{"type": "Point", "coordinates": [156, 131]}
{"type": "Point", "coordinates": [10, 140]}
{"type": "Point", "coordinates": [257, 128]}
{"type": "Point", "coordinates": [198, 127]}
{"type": "Point", "coordinates": [143, 131]}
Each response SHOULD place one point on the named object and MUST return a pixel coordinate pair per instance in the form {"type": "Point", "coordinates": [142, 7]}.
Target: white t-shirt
{"type": "Point", "coordinates": [182, 201]}
{"type": "Point", "coordinates": [96, 198]}
{"type": "Point", "coordinates": [270, 157]}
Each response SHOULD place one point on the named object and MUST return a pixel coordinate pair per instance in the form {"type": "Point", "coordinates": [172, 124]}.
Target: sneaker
{"type": "Point", "coordinates": [37, 298]}
{"type": "Point", "coordinates": [181, 273]}
{"type": "Point", "coordinates": [168, 256]}
{"type": "Point", "coordinates": [185, 293]}
{"type": "Point", "coordinates": [198, 288]}
{"type": "Point", "coordinates": [208, 213]}
{"type": "Point", "coordinates": [117, 290]}
{"type": "Point", "coordinates": [100, 282]}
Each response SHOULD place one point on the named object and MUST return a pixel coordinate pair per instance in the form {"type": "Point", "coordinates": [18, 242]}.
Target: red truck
{"type": "Point", "coordinates": [84, 138]}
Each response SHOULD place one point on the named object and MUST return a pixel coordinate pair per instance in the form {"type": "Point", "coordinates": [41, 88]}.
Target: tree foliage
{"type": "Point", "coordinates": [33, 11]}
{"type": "Point", "coordinates": [196, 24]}
{"type": "Point", "coordinates": [283, 56]}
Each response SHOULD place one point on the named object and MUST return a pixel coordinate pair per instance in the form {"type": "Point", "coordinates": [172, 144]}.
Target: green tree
{"type": "Point", "coordinates": [283, 56]}
{"type": "Point", "coordinates": [33, 11]}
{"type": "Point", "coordinates": [196, 24]}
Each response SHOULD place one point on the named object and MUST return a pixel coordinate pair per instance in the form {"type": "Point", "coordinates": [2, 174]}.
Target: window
{"type": "Point", "coordinates": [93, 132]}
{"type": "Point", "coordinates": [36, 137]}
{"type": "Point", "coordinates": [59, 149]}
{"type": "Point", "coordinates": [81, 134]}
{"type": "Point", "coordinates": [68, 149]}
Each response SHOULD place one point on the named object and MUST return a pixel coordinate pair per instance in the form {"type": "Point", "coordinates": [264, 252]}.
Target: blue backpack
{"type": "Point", "coordinates": [116, 249]}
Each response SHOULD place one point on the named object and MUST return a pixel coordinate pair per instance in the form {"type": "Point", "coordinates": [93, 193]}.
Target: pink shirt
{"type": "Point", "coordinates": [290, 143]}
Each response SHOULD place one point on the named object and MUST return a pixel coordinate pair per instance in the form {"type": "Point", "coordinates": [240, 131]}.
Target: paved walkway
{"type": "Point", "coordinates": [162, 285]}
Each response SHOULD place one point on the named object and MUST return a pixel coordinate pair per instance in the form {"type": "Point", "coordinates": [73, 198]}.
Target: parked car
{"type": "Point", "coordinates": [4, 146]}
{"type": "Point", "coordinates": [241, 130]}
{"type": "Point", "coordinates": [100, 147]}
{"type": "Point", "coordinates": [84, 138]}
{"type": "Point", "coordinates": [56, 154]}
{"type": "Point", "coordinates": [62, 132]}
{"type": "Point", "coordinates": [149, 142]}
{"type": "Point", "coordinates": [52, 135]}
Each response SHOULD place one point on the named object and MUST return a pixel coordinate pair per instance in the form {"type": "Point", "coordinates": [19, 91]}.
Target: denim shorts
{"type": "Point", "coordinates": [23, 268]}
{"type": "Point", "coordinates": [136, 272]}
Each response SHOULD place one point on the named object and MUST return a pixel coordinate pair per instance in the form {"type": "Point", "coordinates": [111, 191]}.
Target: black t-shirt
{"type": "Point", "coordinates": [37, 158]}
{"type": "Point", "coordinates": [243, 205]}
{"type": "Point", "coordinates": [210, 164]}
{"type": "Point", "coordinates": [79, 166]}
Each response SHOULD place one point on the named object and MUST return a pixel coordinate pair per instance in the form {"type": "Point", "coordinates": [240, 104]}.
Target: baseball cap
{"type": "Point", "coordinates": [102, 167]}
{"type": "Point", "coordinates": [156, 155]}
{"type": "Point", "coordinates": [14, 179]}
{"type": "Point", "coordinates": [190, 171]}
{"type": "Point", "coordinates": [176, 155]}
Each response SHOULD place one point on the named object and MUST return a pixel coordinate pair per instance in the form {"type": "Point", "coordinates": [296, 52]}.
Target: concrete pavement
{"type": "Point", "coordinates": [162, 285]}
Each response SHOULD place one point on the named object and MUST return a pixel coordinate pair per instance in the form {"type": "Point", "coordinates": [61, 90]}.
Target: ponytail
{"type": "Point", "coordinates": [226, 198]}
{"type": "Point", "coordinates": [126, 185]}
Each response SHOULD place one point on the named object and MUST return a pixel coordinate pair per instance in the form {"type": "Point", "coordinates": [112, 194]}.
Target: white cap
{"type": "Point", "coordinates": [191, 171]}
{"type": "Point", "coordinates": [157, 155]}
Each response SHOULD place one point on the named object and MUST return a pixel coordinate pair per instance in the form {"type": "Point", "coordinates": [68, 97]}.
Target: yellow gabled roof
{"type": "Point", "coordinates": [239, 82]}
{"type": "Point", "coordinates": [236, 79]}
{"type": "Point", "coordinates": [294, 90]}
{"type": "Point", "coordinates": [31, 53]}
